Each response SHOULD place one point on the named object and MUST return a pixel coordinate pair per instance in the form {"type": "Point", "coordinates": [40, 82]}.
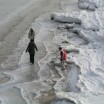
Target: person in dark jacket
{"type": "Point", "coordinates": [31, 49]}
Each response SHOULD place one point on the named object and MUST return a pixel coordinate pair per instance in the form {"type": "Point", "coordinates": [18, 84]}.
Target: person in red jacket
{"type": "Point", "coordinates": [63, 57]}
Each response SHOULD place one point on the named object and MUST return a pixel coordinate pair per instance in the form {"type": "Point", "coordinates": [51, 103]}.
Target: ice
{"type": "Point", "coordinates": [86, 4]}
{"type": "Point", "coordinates": [83, 80]}
{"type": "Point", "coordinates": [64, 18]}
{"type": "Point", "coordinates": [89, 59]}
{"type": "Point", "coordinates": [62, 101]}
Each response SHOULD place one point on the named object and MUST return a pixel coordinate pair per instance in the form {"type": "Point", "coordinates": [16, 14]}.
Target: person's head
{"type": "Point", "coordinates": [31, 30]}
{"type": "Point", "coordinates": [60, 48]}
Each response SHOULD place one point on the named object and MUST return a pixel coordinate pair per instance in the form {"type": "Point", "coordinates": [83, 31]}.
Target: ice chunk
{"type": "Point", "coordinates": [86, 4]}
{"type": "Point", "coordinates": [64, 18]}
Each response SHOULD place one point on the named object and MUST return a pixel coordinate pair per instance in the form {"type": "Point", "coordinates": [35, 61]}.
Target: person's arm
{"type": "Point", "coordinates": [35, 47]}
{"type": "Point", "coordinates": [27, 48]}
{"type": "Point", "coordinates": [29, 34]}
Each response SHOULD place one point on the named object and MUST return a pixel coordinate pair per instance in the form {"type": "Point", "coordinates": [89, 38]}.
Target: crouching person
{"type": "Point", "coordinates": [63, 56]}
{"type": "Point", "coordinates": [31, 49]}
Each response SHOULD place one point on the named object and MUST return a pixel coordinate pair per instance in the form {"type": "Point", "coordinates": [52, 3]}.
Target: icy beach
{"type": "Point", "coordinates": [56, 23]}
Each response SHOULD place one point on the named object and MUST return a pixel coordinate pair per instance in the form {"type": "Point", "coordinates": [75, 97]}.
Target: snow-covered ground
{"type": "Point", "coordinates": [90, 57]}
{"type": "Point", "coordinates": [44, 82]}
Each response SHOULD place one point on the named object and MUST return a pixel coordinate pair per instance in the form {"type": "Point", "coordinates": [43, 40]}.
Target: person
{"type": "Point", "coordinates": [63, 56]}
{"type": "Point", "coordinates": [31, 34]}
{"type": "Point", "coordinates": [31, 49]}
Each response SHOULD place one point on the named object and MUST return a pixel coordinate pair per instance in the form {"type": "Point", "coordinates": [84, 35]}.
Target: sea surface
{"type": "Point", "coordinates": [8, 7]}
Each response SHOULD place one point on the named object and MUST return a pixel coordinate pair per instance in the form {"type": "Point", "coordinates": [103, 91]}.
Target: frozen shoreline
{"type": "Point", "coordinates": [82, 82]}
{"type": "Point", "coordinates": [90, 58]}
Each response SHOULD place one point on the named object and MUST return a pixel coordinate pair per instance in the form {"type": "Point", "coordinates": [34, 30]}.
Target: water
{"type": "Point", "coordinates": [7, 7]}
{"type": "Point", "coordinates": [25, 84]}
{"type": "Point", "coordinates": [62, 102]}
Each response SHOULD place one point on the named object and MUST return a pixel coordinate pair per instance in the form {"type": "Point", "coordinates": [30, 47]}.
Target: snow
{"type": "Point", "coordinates": [89, 59]}
{"type": "Point", "coordinates": [83, 80]}
{"type": "Point", "coordinates": [86, 4]}
{"type": "Point", "coordinates": [64, 18]}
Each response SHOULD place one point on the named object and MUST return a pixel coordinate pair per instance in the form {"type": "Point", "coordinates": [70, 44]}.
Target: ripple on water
{"type": "Point", "coordinates": [4, 78]}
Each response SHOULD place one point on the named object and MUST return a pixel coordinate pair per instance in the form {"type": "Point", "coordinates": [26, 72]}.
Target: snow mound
{"type": "Point", "coordinates": [86, 4]}
{"type": "Point", "coordinates": [64, 18]}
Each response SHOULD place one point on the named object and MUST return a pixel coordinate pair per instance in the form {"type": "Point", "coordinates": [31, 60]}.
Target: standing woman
{"type": "Point", "coordinates": [63, 56]}
{"type": "Point", "coordinates": [31, 48]}
{"type": "Point", "coordinates": [31, 34]}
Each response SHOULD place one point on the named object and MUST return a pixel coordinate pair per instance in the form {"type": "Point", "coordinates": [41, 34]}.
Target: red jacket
{"type": "Point", "coordinates": [63, 54]}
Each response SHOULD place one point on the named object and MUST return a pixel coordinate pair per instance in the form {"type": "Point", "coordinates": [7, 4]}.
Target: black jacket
{"type": "Point", "coordinates": [31, 48]}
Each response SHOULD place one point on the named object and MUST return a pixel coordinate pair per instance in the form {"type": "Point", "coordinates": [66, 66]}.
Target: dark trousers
{"type": "Point", "coordinates": [32, 58]}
